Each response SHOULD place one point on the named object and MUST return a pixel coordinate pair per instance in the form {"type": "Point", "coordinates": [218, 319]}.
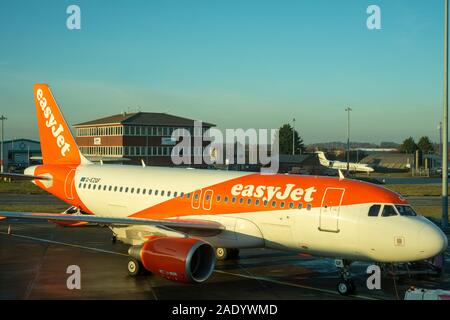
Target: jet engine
{"type": "Point", "coordinates": [177, 259]}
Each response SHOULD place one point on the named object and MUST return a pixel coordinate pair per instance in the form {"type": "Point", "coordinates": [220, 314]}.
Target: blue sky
{"type": "Point", "coordinates": [239, 64]}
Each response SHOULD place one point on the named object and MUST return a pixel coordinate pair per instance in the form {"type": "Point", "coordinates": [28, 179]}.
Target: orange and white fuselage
{"type": "Point", "coordinates": [317, 215]}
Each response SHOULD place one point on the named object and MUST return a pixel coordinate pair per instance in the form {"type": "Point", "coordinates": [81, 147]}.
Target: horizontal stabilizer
{"type": "Point", "coordinates": [18, 176]}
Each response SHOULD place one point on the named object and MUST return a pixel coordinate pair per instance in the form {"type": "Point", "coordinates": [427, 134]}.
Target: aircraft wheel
{"type": "Point", "coordinates": [134, 267]}
{"type": "Point", "coordinates": [346, 287]}
{"type": "Point", "coordinates": [222, 254]}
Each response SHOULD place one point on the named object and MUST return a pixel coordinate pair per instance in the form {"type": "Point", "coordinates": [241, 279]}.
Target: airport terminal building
{"type": "Point", "coordinates": [133, 137]}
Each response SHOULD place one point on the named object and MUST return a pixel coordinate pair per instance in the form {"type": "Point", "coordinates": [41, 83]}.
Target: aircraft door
{"type": "Point", "coordinates": [207, 199]}
{"type": "Point", "coordinates": [196, 199]}
{"type": "Point", "coordinates": [329, 211]}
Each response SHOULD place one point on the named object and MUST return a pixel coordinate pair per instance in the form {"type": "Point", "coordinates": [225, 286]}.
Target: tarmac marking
{"type": "Point", "coordinates": [64, 244]}
{"type": "Point", "coordinates": [290, 284]}
{"type": "Point", "coordinates": [218, 271]}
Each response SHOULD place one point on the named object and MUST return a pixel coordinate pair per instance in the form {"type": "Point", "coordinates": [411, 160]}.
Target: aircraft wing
{"type": "Point", "coordinates": [175, 224]}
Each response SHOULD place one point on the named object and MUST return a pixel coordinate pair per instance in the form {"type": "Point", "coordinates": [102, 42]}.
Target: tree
{"type": "Point", "coordinates": [285, 139]}
{"type": "Point", "coordinates": [408, 146]}
{"type": "Point", "coordinates": [425, 145]}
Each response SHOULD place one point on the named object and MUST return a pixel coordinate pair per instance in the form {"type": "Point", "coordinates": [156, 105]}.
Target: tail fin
{"type": "Point", "coordinates": [57, 143]}
{"type": "Point", "coordinates": [322, 159]}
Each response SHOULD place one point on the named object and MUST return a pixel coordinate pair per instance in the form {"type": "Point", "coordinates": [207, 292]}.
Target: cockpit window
{"type": "Point", "coordinates": [406, 211]}
{"type": "Point", "coordinates": [374, 210]}
{"type": "Point", "coordinates": [388, 211]}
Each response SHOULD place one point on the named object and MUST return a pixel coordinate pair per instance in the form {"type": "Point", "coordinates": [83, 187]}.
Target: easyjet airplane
{"type": "Point", "coordinates": [176, 220]}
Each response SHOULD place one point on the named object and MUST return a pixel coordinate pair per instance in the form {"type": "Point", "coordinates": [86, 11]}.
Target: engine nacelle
{"type": "Point", "coordinates": [176, 259]}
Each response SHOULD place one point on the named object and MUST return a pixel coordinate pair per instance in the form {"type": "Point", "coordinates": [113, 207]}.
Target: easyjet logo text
{"type": "Point", "coordinates": [267, 193]}
{"type": "Point", "coordinates": [50, 122]}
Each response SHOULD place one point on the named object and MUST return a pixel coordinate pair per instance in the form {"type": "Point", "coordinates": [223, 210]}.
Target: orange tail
{"type": "Point", "coordinates": [57, 143]}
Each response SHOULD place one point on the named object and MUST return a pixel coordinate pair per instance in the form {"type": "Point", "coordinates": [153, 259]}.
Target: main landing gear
{"type": "Point", "coordinates": [135, 268]}
{"type": "Point", "coordinates": [227, 254]}
{"type": "Point", "coordinates": [346, 285]}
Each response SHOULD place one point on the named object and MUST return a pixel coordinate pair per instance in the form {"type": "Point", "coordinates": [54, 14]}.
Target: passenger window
{"type": "Point", "coordinates": [115, 188]}
{"type": "Point", "coordinates": [156, 192]}
{"type": "Point", "coordinates": [225, 199]}
{"type": "Point", "coordinates": [175, 194]}
{"type": "Point", "coordinates": [388, 211]}
{"type": "Point", "coordinates": [84, 186]}
{"type": "Point", "coordinates": [281, 204]}
{"type": "Point", "coordinates": [104, 187]}
{"type": "Point", "coordinates": [110, 188]}
{"type": "Point", "coordinates": [233, 200]}
{"type": "Point", "coordinates": [257, 202]}
{"type": "Point", "coordinates": [89, 186]}
{"type": "Point", "coordinates": [181, 194]}
{"type": "Point", "coordinates": [309, 207]}
{"type": "Point", "coordinates": [143, 191]}
{"type": "Point", "coordinates": [188, 195]}
{"type": "Point", "coordinates": [266, 203]}
{"type": "Point", "coordinates": [241, 200]}
{"type": "Point", "coordinates": [249, 201]}
{"type": "Point", "coordinates": [291, 205]}
{"type": "Point", "coordinates": [218, 199]}
{"type": "Point", "coordinates": [132, 190]}
{"type": "Point", "coordinates": [162, 193]}
{"type": "Point", "coordinates": [138, 190]}
{"type": "Point", "coordinates": [149, 192]}
{"type": "Point", "coordinates": [274, 204]}
{"type": "Point", "coordinates": [126, 190]}
{"type": "Point", "coordinates": [168, 193]}
{"type": "Point", "coordinates": [79, 186]}
{"type": "Point", "coordinates": [374, 210]}
{"type": "Point", "coordinates": [300, 205]}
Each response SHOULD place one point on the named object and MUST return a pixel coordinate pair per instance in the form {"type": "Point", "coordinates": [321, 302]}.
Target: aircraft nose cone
{"type": "Point", "coordinates": [432, 241]}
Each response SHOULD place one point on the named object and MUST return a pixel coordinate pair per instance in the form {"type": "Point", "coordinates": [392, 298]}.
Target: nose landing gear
{"type": "Point", "coordinates": [346, 286]}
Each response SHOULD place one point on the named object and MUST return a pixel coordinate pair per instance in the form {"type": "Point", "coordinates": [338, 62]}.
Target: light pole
{"type": "Point", "coordinates": [445, 128]}
{"type": "Point", "coordinates": [2, 118]}
{"type": "Point", "coordinates": [348, 139]}
{"type": "Point", "coordinates": [293, 136]}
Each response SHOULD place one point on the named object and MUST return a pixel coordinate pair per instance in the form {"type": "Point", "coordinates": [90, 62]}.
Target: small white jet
{"type": "Point", "coordinates": [339, 165]}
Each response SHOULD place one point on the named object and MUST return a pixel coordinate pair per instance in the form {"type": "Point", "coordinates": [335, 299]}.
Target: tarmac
{"type": "Point", "coordinates": [35, 256]}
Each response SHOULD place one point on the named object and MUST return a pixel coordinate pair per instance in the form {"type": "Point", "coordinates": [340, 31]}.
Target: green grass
{"type": "Point", "coordinates": [415, 190]}
{"type": "Point", "coordinates": [20, 187]}
{"type": "Point", "coordinates": [47, 208]}
{"type": "Point", "coordinates": [434, 212]}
